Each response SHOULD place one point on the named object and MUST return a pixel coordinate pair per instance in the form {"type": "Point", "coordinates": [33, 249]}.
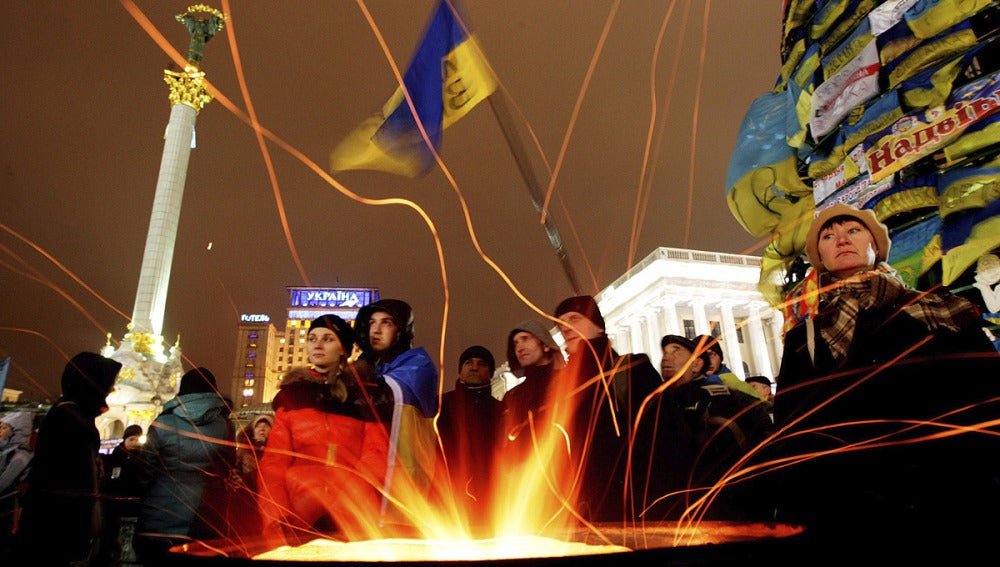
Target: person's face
{"type": "Point", "coordinates": [475, 371]}
{"type": "Point", "coordinates": [762, 389]}
{"type": "Point", "coordinates": [5, 430]}
{"type": "Point", "coordinates": [382, 331]}
{"type": "Point", "coordinates": [529, 349]}
{"type": "Point", "coordinates": [132, 442]}
{"type": "Point", "coordinates": [846, 248]}
{"type": "Point", "coordinates": [579, 328]}
{"type": "Point", "coordinates": [715, 362]}
{"type": "Point", "coordinates": [674, 358]}
{"type": "Point", "coordinates": [325, 350]}
{"type": "Point", "coordinates": [261, 430]}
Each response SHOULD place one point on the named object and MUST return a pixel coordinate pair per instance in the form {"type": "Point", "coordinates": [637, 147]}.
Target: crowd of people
{"type": "Point", "coordinates": [858, 433]}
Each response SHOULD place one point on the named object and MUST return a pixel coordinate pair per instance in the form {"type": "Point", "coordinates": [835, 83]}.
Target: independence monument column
{"type": "Point", "coordinates": [150, 376]}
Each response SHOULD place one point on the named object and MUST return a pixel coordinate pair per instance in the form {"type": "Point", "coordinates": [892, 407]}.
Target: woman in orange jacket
{"type": "Point", "coordinates": [327, 452]}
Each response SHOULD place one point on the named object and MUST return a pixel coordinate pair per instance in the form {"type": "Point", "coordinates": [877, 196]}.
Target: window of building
{"type": "Point", "coordinates": [716, 329]}
{"type": "Point", "coordinates": [689, 331]}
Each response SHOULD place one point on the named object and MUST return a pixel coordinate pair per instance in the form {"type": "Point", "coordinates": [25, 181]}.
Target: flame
{"type": "Point", "coordinates": [436, 550]}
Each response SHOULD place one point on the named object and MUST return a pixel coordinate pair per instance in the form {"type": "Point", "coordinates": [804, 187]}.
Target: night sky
{"type": "Point", "coordinates": [635, 106]}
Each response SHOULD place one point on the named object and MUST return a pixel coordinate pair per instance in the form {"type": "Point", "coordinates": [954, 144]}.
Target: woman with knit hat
{"type": "Point", "coordinates": [867, 383]}
{"type": "Point", "coordinates": [327, 451]}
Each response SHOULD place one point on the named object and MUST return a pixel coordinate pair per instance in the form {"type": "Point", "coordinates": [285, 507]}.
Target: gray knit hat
{"type": "Point", "coordinates": [535, 327]}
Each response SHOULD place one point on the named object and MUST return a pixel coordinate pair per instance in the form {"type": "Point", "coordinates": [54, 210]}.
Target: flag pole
{"type": "Point", "coordinates": [499, 106]}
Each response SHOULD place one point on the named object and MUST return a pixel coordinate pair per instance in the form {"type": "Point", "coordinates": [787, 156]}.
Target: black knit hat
{"type": "Point", "coordinates": [761, 379]}
{"type": "Point", "coordinates": [477, 351]}
{"type": "Point", "coordinates": [691, 346]}
{"type": "Point", "coordinates": [197, 381]}
{"type": "Point", "coordinates": [584, 305]}
{"type": "Point", "coordinates": [341, 328]}
{"type": "Point", "coordinates": [711, 344]}
{"type": "Point", "coordinates": [132, 431]}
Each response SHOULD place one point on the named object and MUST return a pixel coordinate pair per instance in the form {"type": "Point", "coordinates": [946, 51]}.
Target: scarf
{"type": "Point", "coordinates": [883, 289]}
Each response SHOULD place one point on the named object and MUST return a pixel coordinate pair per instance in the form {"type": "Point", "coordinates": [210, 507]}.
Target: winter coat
{"type": "Point", "coordinates": [62, 515]}
{"type": "Point", "coordinates": [186, 461]}
{"type": "Point", "coordinates": [244, 518]}
{"type": "Point", "coordinates": [601, 429]}
{"type": "Point", "coordinates": [15, 456]}
{"type": "Point", "coordinates": [897, 374]}
{"type": "Point", "coordinates": [532, 396]}
{"type": "Point", "coordinates": [324, 458]}
{"type": "Point", "coordinates": [123, 480]}
{"type": "Point", "coordinates": [469, 425]}
{"type": "Point", "coordinates": [702, 430]}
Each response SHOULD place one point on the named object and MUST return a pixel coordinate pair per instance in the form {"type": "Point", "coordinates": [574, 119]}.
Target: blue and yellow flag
{"type": "Point", "coordinates": [447, 78]}
{"type": "Point", "coordinates": [4, 366]}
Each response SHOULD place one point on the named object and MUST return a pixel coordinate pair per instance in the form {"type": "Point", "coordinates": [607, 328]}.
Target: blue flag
{"type": "Point", "coordinates": [4, 366]}
{"type": "Point", "coordinates": [446, 79]}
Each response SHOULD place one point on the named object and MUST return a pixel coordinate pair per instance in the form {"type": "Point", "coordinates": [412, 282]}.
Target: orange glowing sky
{"type": "Point", "coordinates": [636, 104]}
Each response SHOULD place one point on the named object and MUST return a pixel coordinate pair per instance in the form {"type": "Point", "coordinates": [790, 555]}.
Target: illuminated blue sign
{"type": "Point", "coordinates": [331, 297]}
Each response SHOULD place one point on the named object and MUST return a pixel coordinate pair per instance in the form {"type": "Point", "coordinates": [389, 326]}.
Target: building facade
{"type": "Point", "coordinates": [256, 342]}
{"type": "Point", "coordinates": [690, 293]}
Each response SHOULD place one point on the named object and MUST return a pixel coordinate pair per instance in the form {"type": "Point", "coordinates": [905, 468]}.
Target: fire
{"type": "Point", "coordinates": [573, 543]}
{"type": "Point", "coordinates": [435, 550]}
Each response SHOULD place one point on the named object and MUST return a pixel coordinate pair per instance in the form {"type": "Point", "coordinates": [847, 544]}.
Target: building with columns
{"type": "Point", "coordinates": [690, 292]}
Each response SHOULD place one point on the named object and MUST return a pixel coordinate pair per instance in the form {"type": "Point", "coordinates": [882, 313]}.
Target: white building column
{"type": "Point", "coordinates": [777, 342]}
{"type": "Point", "coordinates": [640, 335]}
{"type": "Point", "coordinates": [700, 318]}
{"type": "Point", "coordinates": [758, 342]}
{"type": "Point", "coordinates": [731, 342]}
{"type": "Point", "coordinates": [623, 337]}
{"type": "Point", "coordinates": [671, 322]}
{"type": "Point", "coordinates": [656, 328]}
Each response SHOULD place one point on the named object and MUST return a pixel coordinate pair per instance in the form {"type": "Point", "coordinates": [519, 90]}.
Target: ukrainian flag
{"type": "Point", "coordinates": [447, 78]}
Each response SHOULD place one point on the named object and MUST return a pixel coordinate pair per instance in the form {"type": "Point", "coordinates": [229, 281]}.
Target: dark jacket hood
{"type": "Point", "coordinates": [87, 380]}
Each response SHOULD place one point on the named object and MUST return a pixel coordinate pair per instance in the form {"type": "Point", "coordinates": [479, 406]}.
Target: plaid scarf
{"type": "Point", "coordinates": [882, 288]}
